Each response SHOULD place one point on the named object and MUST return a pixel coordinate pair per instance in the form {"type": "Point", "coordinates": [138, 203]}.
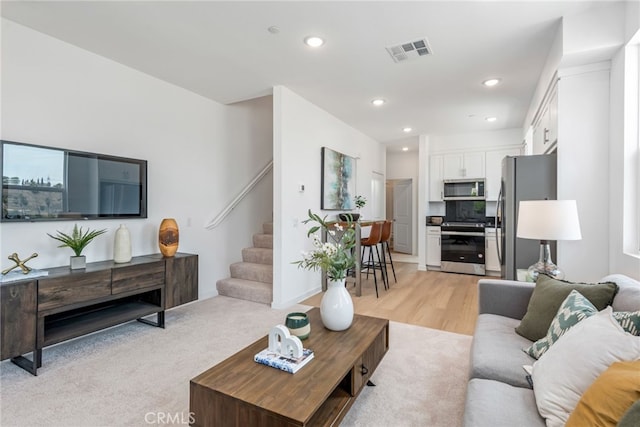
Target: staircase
{"type": "Point", "coordinates": [252, 279]}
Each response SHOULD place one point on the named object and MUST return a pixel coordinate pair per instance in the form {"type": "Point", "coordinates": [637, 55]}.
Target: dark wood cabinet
{"type": "Point", "coordinates": [18, 308]}
{"type": "Point", "coordinates": [181, 280]}
{"type": "Point", "coordinates": [70, 303]}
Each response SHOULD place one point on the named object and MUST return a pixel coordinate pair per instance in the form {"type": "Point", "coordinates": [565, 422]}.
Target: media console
{"type": "Point", "coordinates": [67, 303]}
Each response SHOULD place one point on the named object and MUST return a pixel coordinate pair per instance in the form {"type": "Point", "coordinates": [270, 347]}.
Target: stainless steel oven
{"type": "Point", "coordinates": [462, 248]}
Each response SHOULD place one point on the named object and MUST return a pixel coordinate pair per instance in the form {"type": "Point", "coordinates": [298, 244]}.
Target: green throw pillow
{"type": "Point", "coordinates": [629, 320]}
{"type": "Point", "coordinates": [573, 309]}
{"type": "Point", "coordinates": [547, 297]}
{"type": "Point", "coordinates": [631, 418]}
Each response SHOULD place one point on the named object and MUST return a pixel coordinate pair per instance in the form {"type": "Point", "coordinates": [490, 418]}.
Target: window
{"type": "Point", "coordinates": [631, 184]}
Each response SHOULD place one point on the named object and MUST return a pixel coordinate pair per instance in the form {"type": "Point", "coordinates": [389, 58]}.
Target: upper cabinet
{"type": "Point", "coordinates": [472, 165]}
{"type": "Point", "coordinates": [545, 124]}
{"type": "Point", "coordinates": [463, 165]}
{"type": "Point", "coordinates": [435, 178]}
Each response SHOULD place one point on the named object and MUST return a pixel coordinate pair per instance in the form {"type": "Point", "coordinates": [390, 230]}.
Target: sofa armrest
{"type": "Point", "coordinates": [504, 297]}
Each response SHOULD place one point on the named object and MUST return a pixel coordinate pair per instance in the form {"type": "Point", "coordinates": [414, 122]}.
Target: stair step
{"type": "Point", "coordinates": [251, 271]}
{"type": "Point", "coordinates": [258, 255]}
{"type": "Point", "coordinates": [246, 289]}
{"type": "Point", "coordinates": [263, 241]}
{"type": "Point", "coordinates": [267, 228]}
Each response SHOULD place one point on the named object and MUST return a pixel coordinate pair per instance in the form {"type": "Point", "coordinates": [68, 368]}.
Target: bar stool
{"type": "Point", "coordinates": [384, 242]}
{"type": "Point", "coordinates": [372, 242]}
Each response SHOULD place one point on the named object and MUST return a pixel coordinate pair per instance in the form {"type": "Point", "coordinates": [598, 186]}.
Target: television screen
{"type": "Point", "coordinates": [43, 183]}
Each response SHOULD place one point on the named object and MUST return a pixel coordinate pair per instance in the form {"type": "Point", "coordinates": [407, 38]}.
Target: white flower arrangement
{"type": "Point", "coordinates": [335, 256]}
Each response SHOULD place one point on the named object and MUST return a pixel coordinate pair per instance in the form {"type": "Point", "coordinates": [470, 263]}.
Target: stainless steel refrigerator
{"type": "Point", "coordinates": [523, 178]}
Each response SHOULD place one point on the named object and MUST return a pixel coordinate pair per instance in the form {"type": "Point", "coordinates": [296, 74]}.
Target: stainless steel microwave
{"type": "Point", "coordinates": [463, 189]}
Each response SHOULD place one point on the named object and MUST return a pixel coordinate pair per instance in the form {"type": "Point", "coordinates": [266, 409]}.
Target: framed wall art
{"type": "Point", "coordinates": [338, 183]}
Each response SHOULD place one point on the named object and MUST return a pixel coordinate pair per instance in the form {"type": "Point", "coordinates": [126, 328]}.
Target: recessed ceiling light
{"type": "Point", "coordinates": [491, 119]}
{"type": "Point", "coordinates": [378, 102]}
{"type": "Point", "coordinates": [313, 41]}
{"type": "Point", "coordinates": [407, 130]}
{"type": "Point", "coordinates": [491, 82]}
{"type": "Point", "coordinates": [405, 148]}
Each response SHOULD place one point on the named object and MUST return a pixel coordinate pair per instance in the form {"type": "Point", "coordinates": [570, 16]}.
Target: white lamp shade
{"type": "Point", "coordinates": [549, 220]}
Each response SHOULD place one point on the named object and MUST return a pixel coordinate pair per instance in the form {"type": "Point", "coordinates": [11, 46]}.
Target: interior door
{"type": "Point", "coordinates": [403, 216]}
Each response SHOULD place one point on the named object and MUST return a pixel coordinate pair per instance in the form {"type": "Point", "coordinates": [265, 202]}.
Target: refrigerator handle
{"type": "Point", "coordinates": [499, 206]}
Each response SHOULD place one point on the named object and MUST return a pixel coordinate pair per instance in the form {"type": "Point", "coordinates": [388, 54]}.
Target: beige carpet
{"type": "Point", "coordinates": [136, 375]}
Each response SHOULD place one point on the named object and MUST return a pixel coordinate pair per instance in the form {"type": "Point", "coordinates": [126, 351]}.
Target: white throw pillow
{"type": "Point", "coordinates": [568, 368]}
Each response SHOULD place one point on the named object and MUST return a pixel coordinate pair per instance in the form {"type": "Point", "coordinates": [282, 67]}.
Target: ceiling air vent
{"type": "Point", "coordinates": [410, 50]}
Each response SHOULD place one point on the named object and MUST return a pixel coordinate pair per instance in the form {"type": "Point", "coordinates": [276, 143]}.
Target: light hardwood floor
{"type": "Point", "coordinates": [433, 299]}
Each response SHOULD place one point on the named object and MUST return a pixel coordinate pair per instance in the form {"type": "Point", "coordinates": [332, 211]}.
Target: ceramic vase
{"type": "Point", "coordinates": [122, 245]}
{"type": "Point", "coordinates": [78, 262]}
{"type": "Point", "coordinates": [336, 308]}
{"type": "Point", "coordinates": [168, 237]}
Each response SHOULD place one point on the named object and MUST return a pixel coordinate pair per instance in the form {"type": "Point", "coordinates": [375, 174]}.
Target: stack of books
{"type": "Point", "coordinates": [282, 362]}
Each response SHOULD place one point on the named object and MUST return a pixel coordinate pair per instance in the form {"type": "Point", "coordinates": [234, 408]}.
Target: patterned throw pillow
{"type": "Point", "coordinates": [629, 320]}
{"type": "Point", "coordinates": [572, 310]}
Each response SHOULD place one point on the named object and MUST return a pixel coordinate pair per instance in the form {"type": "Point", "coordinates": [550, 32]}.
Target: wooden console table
{"type": "Point", "coordinates": [67, 303]}
{"type": "Point", "coordinates": [240, 392]}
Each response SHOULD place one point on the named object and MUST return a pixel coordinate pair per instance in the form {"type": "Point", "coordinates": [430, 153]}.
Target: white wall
{"type": "Point", "coordinates": [474, 140]}
{"type": "Point", "coordinates": [58, 95]}
{"type": "Point", "coordinates": [301, 129]}
{"type": "Point", "coordinates": [583, 167]}
{"type": "Point", "coordinates": [590, 142]}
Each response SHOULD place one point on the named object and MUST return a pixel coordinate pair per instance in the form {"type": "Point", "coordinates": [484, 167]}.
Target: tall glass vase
{"type": "Point", "coordinates": [336, 308]}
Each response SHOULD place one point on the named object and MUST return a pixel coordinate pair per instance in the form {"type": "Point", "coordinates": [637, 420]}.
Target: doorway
{"type": "Point", "coordinates": [399, 208]}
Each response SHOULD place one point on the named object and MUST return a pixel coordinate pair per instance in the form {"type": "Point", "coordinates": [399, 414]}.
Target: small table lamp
{"type": "Point", "coordinates": [547, 220]}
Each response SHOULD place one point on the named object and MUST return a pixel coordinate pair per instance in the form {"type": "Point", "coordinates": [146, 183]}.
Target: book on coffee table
{"type": "Point", "coordinates": [284, 363]}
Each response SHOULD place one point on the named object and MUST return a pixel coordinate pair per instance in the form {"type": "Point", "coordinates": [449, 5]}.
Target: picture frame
{"type": "Point", "coordinates": [338, 181]}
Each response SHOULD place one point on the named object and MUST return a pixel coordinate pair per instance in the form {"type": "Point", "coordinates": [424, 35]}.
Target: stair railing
{"type": "Point", "coordinates": [231, 205]}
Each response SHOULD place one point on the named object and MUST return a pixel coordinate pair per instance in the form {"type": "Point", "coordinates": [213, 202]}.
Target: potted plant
{"type": "Point", "coordinates": [359, 201]}
{"type": "Point", "coordinates": [77, 241]}
{"type": "Point", "coordinates": [335, 258]}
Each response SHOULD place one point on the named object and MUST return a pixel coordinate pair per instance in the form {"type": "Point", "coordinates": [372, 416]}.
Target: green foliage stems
{"type": "Point", "coordinates": [334, 256]}
{"type": "Point", "coordinates": [78, 239]}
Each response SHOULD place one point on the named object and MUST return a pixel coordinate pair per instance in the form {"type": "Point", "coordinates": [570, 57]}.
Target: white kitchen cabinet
{"type": "Point", "coordinates": [463, 165]}
{"type": "Point", "coordinates": [493, 170]}
{"type": "Point", "coordinates": [491, 261]}
{"type": "Point", "coordinates": [435, 178]}
{"type": "Point", "coordinates": [545, 125]}
{"type": "Point", "coordinates": [433, 248]}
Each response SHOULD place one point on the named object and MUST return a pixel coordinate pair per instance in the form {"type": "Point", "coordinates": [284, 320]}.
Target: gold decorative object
{"type": "Point", "coordinates": [168, 237]}
{"type": "Point", "coordinates": [19, 263]}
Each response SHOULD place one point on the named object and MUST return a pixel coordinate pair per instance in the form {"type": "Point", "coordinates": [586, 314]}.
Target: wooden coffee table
{"type": "Point", "coordinates": [241, 392]}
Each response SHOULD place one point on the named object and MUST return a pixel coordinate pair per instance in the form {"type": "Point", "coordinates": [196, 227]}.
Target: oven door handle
{"type": "Point", "coordinates": [461, 233]}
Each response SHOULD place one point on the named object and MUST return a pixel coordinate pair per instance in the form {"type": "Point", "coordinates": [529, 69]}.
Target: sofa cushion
{"type": "Point", "coordinates": [547, 297]}
{"type": "Point", "coordinates": [630, 321]}
{"type": "Point", "coordinates": [495, 404]}
{"type": "Point", "coordinates": [628, 296]}
{"type": "Point", "coordinates": [573, 309]}
{"type": "Point", "coordinates": [609, 397]}
{"type": "Point", "coordinates": [570, 366]}
{"type": "Point", "coordinates": [496, 352]}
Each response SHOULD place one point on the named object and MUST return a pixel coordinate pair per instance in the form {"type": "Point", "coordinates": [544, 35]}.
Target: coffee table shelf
{"type": "Point", "coordinates": [240, 392]}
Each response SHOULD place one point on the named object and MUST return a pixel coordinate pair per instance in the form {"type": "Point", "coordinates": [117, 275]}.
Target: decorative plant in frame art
{"type": "Point", "coordinates": [335, 257]}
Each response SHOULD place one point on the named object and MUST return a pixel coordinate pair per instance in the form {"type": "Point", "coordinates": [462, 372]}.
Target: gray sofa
{"type": "Point", "coordinates": [498, 393]}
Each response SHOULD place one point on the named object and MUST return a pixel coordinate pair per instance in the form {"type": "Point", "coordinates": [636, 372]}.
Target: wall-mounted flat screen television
{"type": "Point", "coordinates": [45, 183]}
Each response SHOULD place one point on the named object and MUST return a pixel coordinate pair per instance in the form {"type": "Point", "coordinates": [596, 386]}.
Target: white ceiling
{"type": "Point", "coordinates": [223, 51]}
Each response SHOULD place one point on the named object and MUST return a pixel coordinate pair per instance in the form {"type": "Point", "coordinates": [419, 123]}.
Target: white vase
{"type": "Point", "coordinates": [336, 308]}
{"type": "Point", "coordinates": [122, 245]}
